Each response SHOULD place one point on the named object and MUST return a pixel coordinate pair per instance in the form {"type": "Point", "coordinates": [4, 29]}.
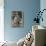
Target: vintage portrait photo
{"type": "Point", "coordinates": [17, 19]}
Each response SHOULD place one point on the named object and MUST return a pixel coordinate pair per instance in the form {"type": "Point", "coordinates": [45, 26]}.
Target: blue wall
{"type": "Point", "coordinates": [29, 7]}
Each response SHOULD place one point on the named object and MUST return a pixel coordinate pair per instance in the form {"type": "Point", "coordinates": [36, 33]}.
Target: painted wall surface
{"type": "Point", "coordinates": [29, 7]}
{"type": "Point", "coordinates": [1, 21]}
{"type": "Point", "coordinates": [43, 6]}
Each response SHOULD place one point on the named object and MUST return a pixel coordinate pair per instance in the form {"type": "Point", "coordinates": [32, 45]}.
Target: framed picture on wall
{"type": "Point", "coordinates": [17, 19]}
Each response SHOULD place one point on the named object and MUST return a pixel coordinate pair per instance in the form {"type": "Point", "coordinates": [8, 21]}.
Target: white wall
{"type": "Point", "coordinates": [43, 6]}
{"type": "Point", "coordinates": [1, 21]}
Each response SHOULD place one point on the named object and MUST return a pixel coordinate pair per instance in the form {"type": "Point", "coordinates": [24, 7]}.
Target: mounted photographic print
{"type": "Point", "coordinates": [17, 19]}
